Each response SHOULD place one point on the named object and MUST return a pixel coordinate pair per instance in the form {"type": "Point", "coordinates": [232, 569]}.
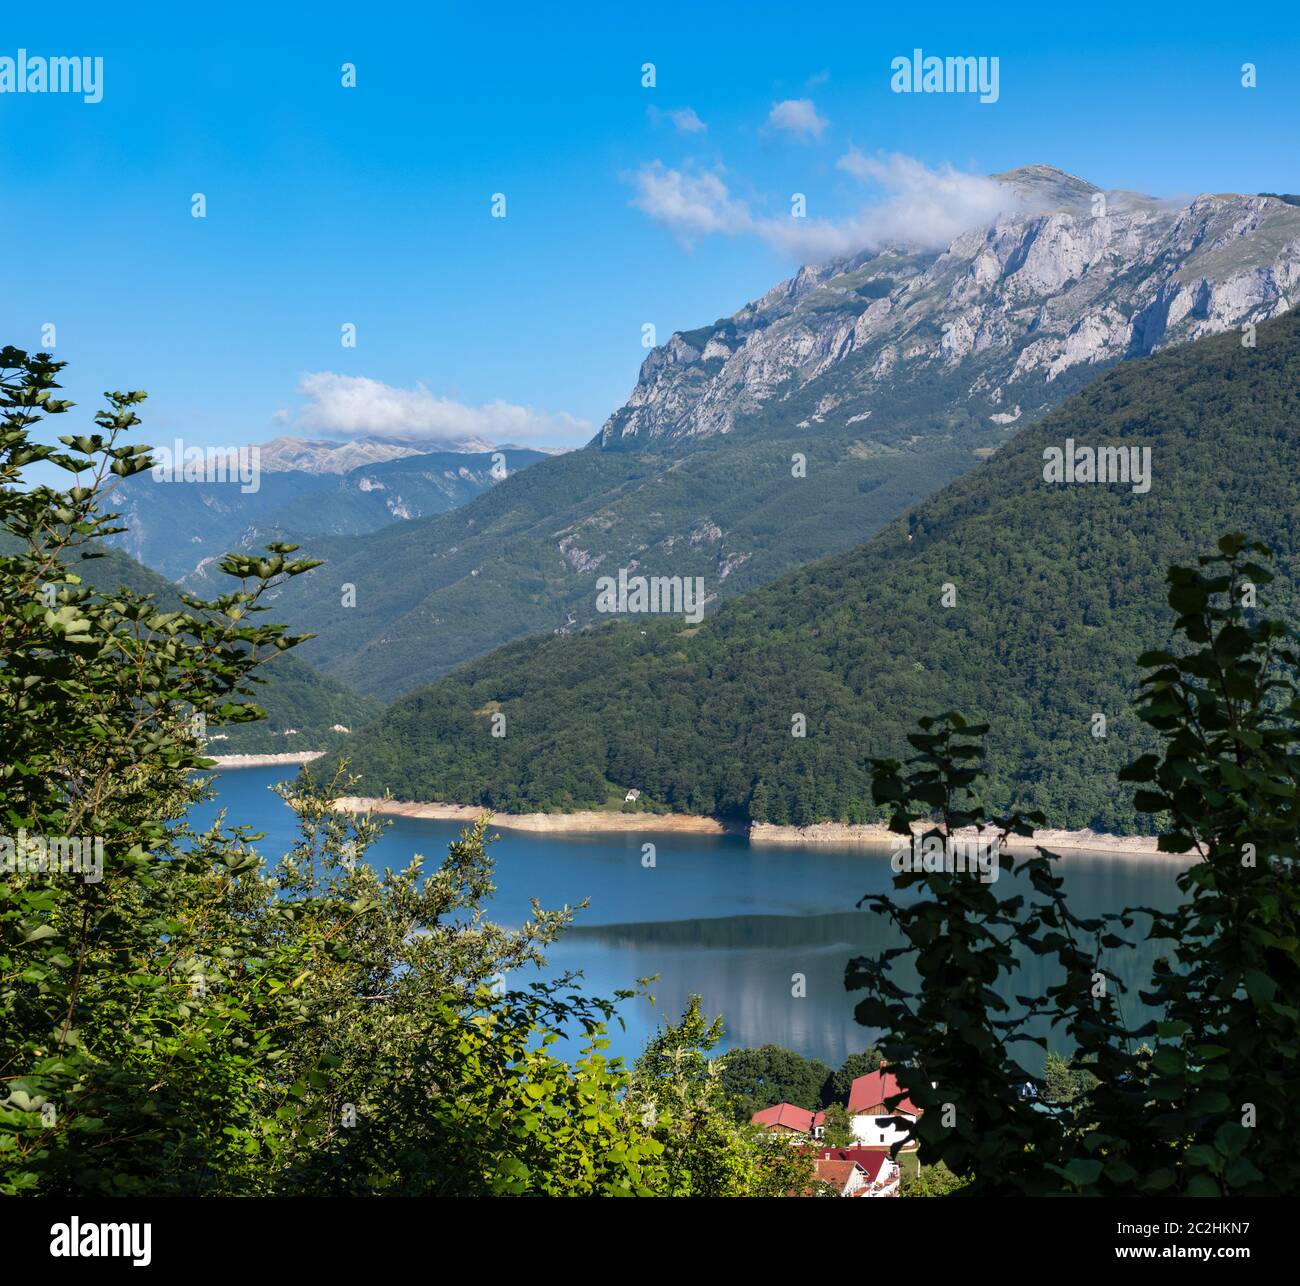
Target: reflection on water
{"type": "Point", "coordinates": [717, 917]}
{"type": "Point", "coordinates": [744, 966]}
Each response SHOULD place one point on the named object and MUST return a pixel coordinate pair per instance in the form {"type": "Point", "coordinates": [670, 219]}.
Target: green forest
{"type": "Point", "coordinates": [1055, 588]}
{"type": "Point", "coordinates": [298, 700]}
{"type": "Point", "coordinates": [194, 1019]}
{"type": "Point", "coordinates": [293, 695]}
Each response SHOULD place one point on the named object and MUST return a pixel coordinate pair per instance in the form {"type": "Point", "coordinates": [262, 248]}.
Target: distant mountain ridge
{"type": "Point", "coordinates": [323, 455]}
{"type": "Point", "coordinates": [809, 419]}
{"type": "Point", "coordinates": [179, 529]}
{"type": "Point", "coordinates": [289, 454]}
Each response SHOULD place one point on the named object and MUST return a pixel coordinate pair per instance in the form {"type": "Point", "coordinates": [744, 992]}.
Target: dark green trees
{"type": "Point", "coordinates": [1057, 587]}
{"type": "Point", "coordinates": [181, 1018]}
{"type": "Point", "coordinates": [1200, 1102]}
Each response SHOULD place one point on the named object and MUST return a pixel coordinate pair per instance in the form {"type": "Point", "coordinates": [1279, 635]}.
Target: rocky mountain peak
{"type": "Point", "coordinates": [1000, 315]}
{"type": "Point", "coordinates": [1048, 188]}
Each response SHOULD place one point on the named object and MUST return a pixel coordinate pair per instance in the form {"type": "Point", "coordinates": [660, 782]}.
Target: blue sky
{"type": "Point", "coordinates": [372, 205]}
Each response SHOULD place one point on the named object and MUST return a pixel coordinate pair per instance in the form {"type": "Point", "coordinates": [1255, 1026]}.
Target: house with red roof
{"type": "Point", "coordinates": [785, 1118]}
{"type": "Point", "coordinates": [843, 1178]}
{"type": "Point", "coordinates": [875, 1123]}
{"type": "Point", "coordinates": [883, 1174]}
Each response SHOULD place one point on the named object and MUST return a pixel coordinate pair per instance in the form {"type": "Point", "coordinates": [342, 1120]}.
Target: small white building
{"type": "Point", "coordinates": [880, 1113]}
{"type": "Point", "coordinates": [843, 1178]}
{"type": "Point", "coordinates": [882, 1175]}
{"type": "Point", "coordinates": [881, 1131]}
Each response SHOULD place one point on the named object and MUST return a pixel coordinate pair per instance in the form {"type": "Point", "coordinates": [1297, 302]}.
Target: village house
{"type": "Point", "coordinates": [866, 1169]}
{"type": "Point", "coordinates": [874, 1123]}
{"type": "Point", "coordinates": [883, 1175]}
{"type": "Point", "coordinates": [785, 1118]}
{"type": "Point", "coordinates": [844, 1178]}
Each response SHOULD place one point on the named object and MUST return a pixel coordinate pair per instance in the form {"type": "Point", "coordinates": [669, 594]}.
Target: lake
{"type": "Point", "coordinates": [714, 915]}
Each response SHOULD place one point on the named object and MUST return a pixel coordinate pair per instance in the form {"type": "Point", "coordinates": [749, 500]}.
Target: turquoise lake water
{"type": "Point", "coordinates": [714, 916]}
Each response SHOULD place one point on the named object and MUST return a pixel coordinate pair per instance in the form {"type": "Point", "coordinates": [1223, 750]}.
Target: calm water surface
{"type": "Point", "coordinates": [714, 915]}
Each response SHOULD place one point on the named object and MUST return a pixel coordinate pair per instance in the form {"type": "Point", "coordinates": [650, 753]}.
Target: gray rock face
{"type": "Point", "coordinates": [1081, 277]}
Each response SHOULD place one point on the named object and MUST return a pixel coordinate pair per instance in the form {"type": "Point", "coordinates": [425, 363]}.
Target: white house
{"type": "Point", "coordinates": [875, 1123]}
{"type": "Point", "coordinates": [882, 1175]}
{"type": "Point", "coordinates": [881, 1131]}
{"type": "Point", "coordinates": [844, 1178]}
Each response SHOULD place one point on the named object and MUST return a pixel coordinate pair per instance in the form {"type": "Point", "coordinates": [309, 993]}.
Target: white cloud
{"type": "Point", "coordinates": [930, 207]}
{"type": "Point", "coordinates": [816, 240]}
{"type": "Point", "coordinates": [687, 121]}
{"type": "Point", "coordinates": [798, 116]}
{"type": "Point", "coordinates": [914, 204]}
{"type": "Point", "coordinates": [688, 204]}
{"type": "Point", "coordinates": [684, 119]}
{"type": "Point", "coordinates": [351, 405]}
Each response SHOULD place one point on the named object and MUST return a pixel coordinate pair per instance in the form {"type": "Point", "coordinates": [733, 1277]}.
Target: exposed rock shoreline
{"type": "Point", "coordinates": [558, 823]}
{"type": "Point", "coordinates": [876, 833]}
{"type": "Point", "coordinates": [758, 833]}
{"type": "Point", "coordinates": [259, 761]}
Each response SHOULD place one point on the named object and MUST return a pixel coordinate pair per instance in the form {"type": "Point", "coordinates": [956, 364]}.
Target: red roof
{"type": "Point", "coordinates": [836, 1173]}
{"type": "Point", "coordinates": [875, 1161]}
{"type": "Point", "coordinates": [787, 1116]}
{"type": "Point", "coordinates": [867, 1091]}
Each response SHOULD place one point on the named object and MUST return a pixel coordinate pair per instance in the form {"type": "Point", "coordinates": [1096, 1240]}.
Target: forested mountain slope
{"type": "Point", "coordinates": [302, 705]}
{"type": "Point", "coordinates": [1058, 588]}
{"type": "Point", "coordinates": [801, 424]}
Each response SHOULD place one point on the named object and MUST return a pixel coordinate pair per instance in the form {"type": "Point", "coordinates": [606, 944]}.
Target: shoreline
{"type": "Point", "coordinates": [265, 761]}
{"type": "Point", "coordinates": [572, 823]}
{"type": "Point", "coordinates": [760, 834]}
{"type": "Point", "coordinates": [878, 833]}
